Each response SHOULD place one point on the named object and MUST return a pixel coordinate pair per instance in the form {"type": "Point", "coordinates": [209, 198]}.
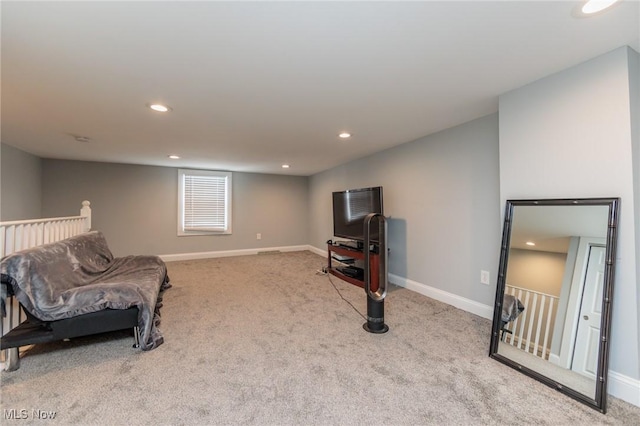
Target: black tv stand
{"type": "Point", "coordinates": [352, 271]}
{"type": "Point", "coordinates": [350, 275]}
{"type": "Point", "coordinates": [355, 245]}
{"type": "Point", "coordinates": [373, 278]}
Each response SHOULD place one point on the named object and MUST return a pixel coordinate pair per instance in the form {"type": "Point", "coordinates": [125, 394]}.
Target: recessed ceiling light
{"type": "Point", "coordinates": [174, 157]}
{"type": "Point", "coordinates": [159, 107]}
{"type": "Point", "coordinates": [530, 243]}
{"type": "Point", "coordinates": [285, 166]}
{"type": "Point", "coordinates": [595, 6]}
{"type": "Point", "coordinates": [344, 135]}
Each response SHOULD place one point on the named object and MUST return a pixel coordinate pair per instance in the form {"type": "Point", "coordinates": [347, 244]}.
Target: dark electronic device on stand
{"type": "Point", "coordinates": [353, 212]}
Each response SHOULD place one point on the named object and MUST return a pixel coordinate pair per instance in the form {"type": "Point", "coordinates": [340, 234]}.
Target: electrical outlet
{"type": "Point", "coordinates": [258, 236]}
{"type": "Point", "coordinates": [485, 277]}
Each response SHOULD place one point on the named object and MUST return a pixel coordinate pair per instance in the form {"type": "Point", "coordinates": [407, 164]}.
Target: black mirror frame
{"type": "Point", "coordinates": [600, 400]}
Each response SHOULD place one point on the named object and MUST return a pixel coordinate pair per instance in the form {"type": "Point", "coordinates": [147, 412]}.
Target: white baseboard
{"type": "Point", "coordinates": [229, 253]}
{"type": "Point", "coordinates": [624, 388]}
{"type": "Point", "coordinates": [482, 310]}
{"type": "Point", "coordinates": [317, 251]}
{"type": "Point", "coordinates": [554, 359]}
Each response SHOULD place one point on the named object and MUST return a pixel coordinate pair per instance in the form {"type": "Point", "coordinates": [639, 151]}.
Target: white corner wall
{"type": "Point", "coordinates": [570, 136]}
{"type": "Point", "coordinates": [634, 84]}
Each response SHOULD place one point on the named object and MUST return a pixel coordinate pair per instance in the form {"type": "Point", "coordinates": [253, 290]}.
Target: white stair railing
{"type": "Point", "coordinates": [532, 330]}
{"type": "Point", "coordinates": [24, 234]}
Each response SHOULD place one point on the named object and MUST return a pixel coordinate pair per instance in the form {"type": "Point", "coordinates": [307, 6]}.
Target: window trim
{"type": "Point", "coordinates": [228, 188]}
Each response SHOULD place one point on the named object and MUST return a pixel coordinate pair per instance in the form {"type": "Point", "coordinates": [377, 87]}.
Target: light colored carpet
{"type": "Point", "coordinates": [264, 340]}
{"type": "Point", "coordinates": [571, 379]}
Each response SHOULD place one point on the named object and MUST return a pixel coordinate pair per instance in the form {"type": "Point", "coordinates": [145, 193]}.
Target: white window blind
{"type": "Point", "coordinates": [205, 202]}
{"type": "Point", "coordinates": [358, 205]}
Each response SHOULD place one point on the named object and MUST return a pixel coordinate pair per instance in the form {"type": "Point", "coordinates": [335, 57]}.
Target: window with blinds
{"type": "Point", "coordinates": [359, 204]}
{"type": "Point", "coordinates": [204, 199]}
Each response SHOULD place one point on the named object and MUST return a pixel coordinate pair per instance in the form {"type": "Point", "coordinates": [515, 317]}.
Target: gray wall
{"type": "Point", "coordinates": [441, 197]}
{"type": "Point", "coordinates": [634, 91]}
{"type": "Point", "coordinates": [20, 185]}
{"type": "Point", "coordinates": [569, 135]}
{"type": "Point", "coordinates": [136, 207]}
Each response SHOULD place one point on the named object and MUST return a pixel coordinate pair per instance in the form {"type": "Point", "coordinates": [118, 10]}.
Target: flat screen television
{"type": "Point", "coordinates": [350, 209]}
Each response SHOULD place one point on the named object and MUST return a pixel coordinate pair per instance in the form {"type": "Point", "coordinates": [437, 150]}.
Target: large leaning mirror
{"type": "Point", "coordinates": [552, 311]}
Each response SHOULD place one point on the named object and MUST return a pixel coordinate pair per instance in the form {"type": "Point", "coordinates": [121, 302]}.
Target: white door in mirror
{"type": "Point", "coordinates": [585, 359]}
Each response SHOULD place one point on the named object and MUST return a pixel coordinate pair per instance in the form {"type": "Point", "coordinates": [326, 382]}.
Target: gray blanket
{"type": "Point", "coordinates": [511, 308]}
{"type": "Point", "coordinates": [79, 275]}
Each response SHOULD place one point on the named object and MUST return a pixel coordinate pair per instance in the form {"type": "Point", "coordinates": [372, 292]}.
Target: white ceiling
{"type": "Point", "coordinates": [257, 84]}
{"type": "Point", "coordinates": [551, 227]}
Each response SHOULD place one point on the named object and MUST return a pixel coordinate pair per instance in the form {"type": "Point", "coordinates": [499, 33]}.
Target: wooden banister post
{"type": "Point", "coordinates": [85, 212]}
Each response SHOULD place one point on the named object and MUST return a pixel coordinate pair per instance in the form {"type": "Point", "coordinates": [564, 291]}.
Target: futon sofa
{"type": "Point", "coordinates": [76, 287]}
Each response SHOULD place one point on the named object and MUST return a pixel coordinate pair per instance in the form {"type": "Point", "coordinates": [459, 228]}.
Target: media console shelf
{"type": "Point", "coordinates": [354, 253]}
